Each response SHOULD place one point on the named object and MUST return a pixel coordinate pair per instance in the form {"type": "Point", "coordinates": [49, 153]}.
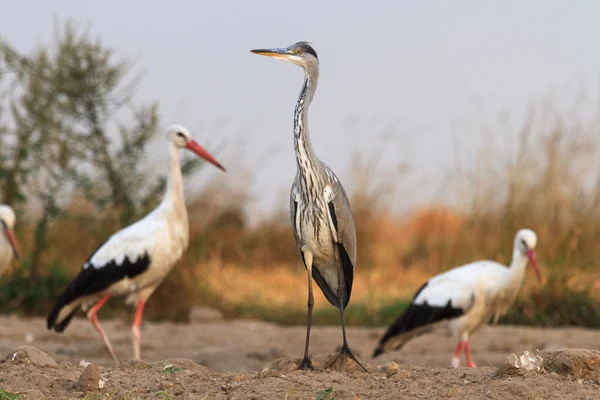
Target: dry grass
{"type": "Point", "coordinates": [282, 286]}
{"type": "Point", "coordinates": [549, 181]}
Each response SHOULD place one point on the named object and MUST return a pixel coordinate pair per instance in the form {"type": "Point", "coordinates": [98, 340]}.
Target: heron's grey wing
{"type": "Point", "coordinates": [344, 232]}
{"type": "Point", "coordinates": [316, 275]}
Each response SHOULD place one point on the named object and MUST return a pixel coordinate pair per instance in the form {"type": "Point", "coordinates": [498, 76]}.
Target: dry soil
{"type": "Point", "coordinates": [216, 359]}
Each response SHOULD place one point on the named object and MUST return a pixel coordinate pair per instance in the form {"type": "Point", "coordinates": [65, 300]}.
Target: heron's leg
{"type": "Point", "coordinates": [92, 316]}
{"type": "Point", "coordinates": [308, 259]}
{"type": "Point", "coordinates": [470, 362]}
{"type": "Point", "coordinates": [135, 329]}
{"type": "Point", "coordinates": [456, 358]}
{"type": "Point", "coordinates": [345, 352]}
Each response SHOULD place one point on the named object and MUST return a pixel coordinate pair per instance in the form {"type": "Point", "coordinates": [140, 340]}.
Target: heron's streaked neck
{"type": "Point", "coordinates": [305, 155]}
{"type": "Point", "coordinates": [174, 188]}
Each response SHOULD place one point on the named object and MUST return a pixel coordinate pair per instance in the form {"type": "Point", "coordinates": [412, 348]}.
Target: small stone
{"type": "Point", "coordinates": [402, 374]}
{"type": "Point", "coordinates": [29, 337]}
{"type": "Point", "coordinates": [89, 379]}
{"type": "Point", "coordinates": [390, 369]}
{"type": "Point", "coordinates": [269, 373]}
{"type": "Point", "coordinates": [33, 355]}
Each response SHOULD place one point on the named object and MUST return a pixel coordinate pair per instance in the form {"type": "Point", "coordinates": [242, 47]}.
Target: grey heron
{"type": "Point", "coordinates": [320, 210]}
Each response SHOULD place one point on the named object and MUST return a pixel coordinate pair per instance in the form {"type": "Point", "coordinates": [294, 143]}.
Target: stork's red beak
{"type": "Point", "coordinates": [201, 152]}
{"type": "Point", "coordinates": [531, 255]}
{"type": "Point", "coordinates": [10, 236]}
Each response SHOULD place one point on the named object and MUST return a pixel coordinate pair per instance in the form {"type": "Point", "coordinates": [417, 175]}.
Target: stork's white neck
{"type": "Point", "coordinates": [174, 188]}
{"type": "Point", "coordinates": [517, 266]}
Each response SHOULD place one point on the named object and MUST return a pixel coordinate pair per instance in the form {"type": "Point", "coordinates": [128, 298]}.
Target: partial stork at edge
{"type": "Point", "coordinates": [9, 247]}
{"type": "Point", "coordinates": [135, 260]}
{"type": "Point", "coordinates": [320, 211]}
{"type": "Point", "coordinates": [465, 297]}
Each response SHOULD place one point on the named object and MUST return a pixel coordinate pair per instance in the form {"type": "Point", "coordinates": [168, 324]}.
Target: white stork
{"type": "Point", "coordinates": [466, 297]}
{"type": "Point", "coordinates": [9, 247]}
{"type": "Point", "coordinates": [135, 260]}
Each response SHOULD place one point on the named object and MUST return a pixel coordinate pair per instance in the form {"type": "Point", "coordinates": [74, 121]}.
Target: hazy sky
{"type": "Point", "coordinates": [415, 68]}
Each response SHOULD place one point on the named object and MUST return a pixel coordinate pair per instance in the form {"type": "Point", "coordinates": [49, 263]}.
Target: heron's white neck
{"type": "Point", "coordinates": [305, 154]}
{"type": "Point", "coordinates": [174, 189]}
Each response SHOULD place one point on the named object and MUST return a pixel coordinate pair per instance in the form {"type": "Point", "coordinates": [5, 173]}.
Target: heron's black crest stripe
{"type": "Point", "coordinates": [307, 48]}
{"type": "Point", "coordinates": [92, 280]}
{"type": "Point", "coordinates": [417, 316]}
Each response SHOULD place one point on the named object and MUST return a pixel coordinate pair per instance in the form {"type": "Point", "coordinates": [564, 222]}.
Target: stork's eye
{"type": "Point", "coordinates": [181, 135]}
{"type": "Point", "coordinates": [523, 243]}
{"type": "Point", "coordinates": [298, 51]}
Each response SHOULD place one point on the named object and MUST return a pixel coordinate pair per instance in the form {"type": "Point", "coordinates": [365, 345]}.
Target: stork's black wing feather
{"type": "Point", "coordinates": [92, 280]}
{"type": "Point", "coordinates": [417, 316]}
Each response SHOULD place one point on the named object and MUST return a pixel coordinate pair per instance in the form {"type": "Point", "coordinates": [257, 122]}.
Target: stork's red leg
{"type": "Point", "coordinates": [92, 316]}
{"type": "Point", "coordinates": [470, 362]}
{"type": "Point", "coordinates": [135, 329]}
{"type": "Point", "coordinates": [456, 358]}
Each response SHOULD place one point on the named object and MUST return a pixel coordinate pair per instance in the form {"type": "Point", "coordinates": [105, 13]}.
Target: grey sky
{"type": "Point", "coordinates": [416, 66]}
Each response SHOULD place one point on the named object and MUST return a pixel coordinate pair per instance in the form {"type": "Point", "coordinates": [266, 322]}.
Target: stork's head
{"type": "Point", "coordinates": [182, 138]}
{"type": "Point", "coordinates": [525, 241]}
{"type": "Point", "coordinates": [300, 53]}
{"type": "Point", "coordinates": [7, 224]}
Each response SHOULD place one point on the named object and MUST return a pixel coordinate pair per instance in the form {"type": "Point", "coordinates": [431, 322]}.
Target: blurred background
{"type": "Point", "coordinates": [451, 125]}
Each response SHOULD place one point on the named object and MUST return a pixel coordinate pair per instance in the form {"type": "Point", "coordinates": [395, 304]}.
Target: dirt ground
{"type": "Point", "coordinates": [217, 359]}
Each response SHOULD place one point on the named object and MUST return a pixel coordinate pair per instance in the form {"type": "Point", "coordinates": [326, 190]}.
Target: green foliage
{"type": "Point", "coordinates": [556, 304]}
{"type": "Point", "coordinates": [4, 395]}
{"type": "Point", "coordinates": [61, 137]}
{"type": "Point", "coordinates": [19, 292]}
{"type": "Point", "coordinates": [170, 369]}
{"type": "Point", "coordinates": [325, 394]}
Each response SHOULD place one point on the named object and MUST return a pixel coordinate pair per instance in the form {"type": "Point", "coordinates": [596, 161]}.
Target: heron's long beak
{"type": "Point", "coordinates": [201, 152]}
{"type": "Point", "coordinates": [532, 258]}
{"type": "Point", "coordinates": [10, 236]}
{"type": "Point", "coordinates": [282, 54]}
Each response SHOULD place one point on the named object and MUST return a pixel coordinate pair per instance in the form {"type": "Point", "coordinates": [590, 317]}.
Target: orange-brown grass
{"type": "Point", "coordinates": [549, 182]}
{"type": "Point", "coordinates": [286, 286]}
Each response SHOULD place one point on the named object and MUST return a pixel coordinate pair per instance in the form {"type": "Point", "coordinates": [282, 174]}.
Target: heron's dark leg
{"type": "Point", "coordinates": [306, 363]}
{"type": "Point", "coordinates": [345, 352]}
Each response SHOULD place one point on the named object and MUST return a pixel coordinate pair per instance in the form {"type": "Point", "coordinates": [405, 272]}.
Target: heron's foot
{"type": "Point", "coordinates": [306, 364]}
{"type": "Point", "coordinates": [344, 353]}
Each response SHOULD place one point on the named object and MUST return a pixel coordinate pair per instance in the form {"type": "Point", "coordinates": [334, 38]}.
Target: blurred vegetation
{"type": "Point", "coordinates": [69, 165]}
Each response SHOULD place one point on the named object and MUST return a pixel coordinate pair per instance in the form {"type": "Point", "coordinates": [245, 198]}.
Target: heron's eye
{"type": "Point", "coordinates": [298, 51]}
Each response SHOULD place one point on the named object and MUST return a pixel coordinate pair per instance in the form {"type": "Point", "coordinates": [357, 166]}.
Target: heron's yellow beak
{"type": "Point", "coordinates": [282, 54]}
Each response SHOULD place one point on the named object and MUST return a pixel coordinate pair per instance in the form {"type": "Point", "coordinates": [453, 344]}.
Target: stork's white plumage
{"type": "Point", "coordinates": [9, 247]}
{"type": "Point", "coordinates": [135, 260]}
{"type": "Point", "coordinates": [465, 297]}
